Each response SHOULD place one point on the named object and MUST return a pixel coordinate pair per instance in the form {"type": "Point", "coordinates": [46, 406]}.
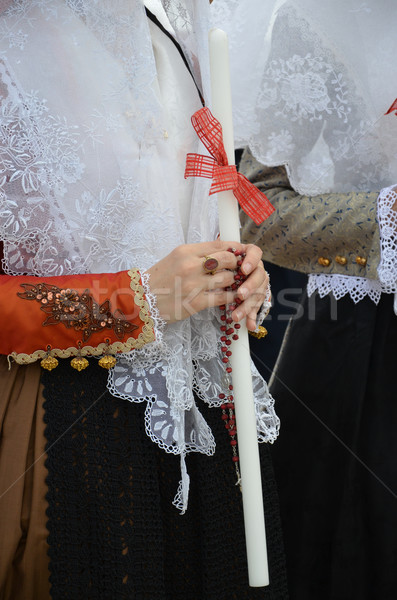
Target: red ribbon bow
{"type": "Point", "coordinates": [224, 176]}
{"type": "Point", "coordinates": [392, 108]}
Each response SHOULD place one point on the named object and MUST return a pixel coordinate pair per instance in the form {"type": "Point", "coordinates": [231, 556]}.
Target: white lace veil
{"type": "Point", "coordinates": [311, 83]}
{"type": "Point", "coordinates": [91, 178]}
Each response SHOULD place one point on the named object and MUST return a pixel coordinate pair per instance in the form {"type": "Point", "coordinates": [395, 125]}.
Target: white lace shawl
{"type": "Point", "coordinates": [95, 126]}
{"type": "Point", "coordinates": [314, 99]}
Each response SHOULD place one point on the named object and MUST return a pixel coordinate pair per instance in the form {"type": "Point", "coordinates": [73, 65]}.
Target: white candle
{"type": "Point", "coordinates": [229, 226]}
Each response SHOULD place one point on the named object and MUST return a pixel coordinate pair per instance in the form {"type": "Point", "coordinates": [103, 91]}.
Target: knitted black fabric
{"type": "Point", "coordinates": [113, 531]}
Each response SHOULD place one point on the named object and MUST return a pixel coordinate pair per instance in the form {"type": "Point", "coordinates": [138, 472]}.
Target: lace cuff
{"type": "Point", "coordinates": [387, 217]}
{"type": "Point", "coordinates": [158, 322]}
{"type": "Point", "coordinates": [340, 285]}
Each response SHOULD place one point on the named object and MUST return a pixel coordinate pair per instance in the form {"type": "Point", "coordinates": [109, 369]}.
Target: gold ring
{"type": "Point", "coordinates": [210, 265]}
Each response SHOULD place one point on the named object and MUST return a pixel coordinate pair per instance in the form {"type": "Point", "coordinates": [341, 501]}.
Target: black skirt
{"type": "Point", "coordinates": [114, 532]}
{"type": "Point", "coordinates": [336, 457]}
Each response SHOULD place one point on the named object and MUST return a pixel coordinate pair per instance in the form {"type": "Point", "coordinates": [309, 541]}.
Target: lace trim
{"type": "Point", "coordinates": [157, 322]}
{"type": "Point", "coordinates": [340, 285]}
{"type": "Point", "coordinates": [139, 288]}
{"type": "Point", "coordinates": [387, 217]}
{"type": "Point", "coordinates": [146, 336]}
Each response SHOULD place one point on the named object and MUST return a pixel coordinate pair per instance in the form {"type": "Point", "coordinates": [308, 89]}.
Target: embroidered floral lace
{"type": "Point", "coordinates": [315, 96]}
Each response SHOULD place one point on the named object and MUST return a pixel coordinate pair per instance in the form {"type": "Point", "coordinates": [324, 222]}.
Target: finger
{"type": "Point", "coordinates": [205, 248]}
{"type": "Point", "coordinates": [226, 260]}
{"type": "Point", "coordinates": [251, 306]}
{"type": "Point", "coordinates": [251, 322]}
{"type": "Point", "coordinates": [251, 295]}
{"type": "Point", "coordinates": [253, 256]}
{"type": "Point", "coordinates": [220, 279]}
{"type": "Point", "coordinates": [211, 299]}
{"type": "Point", "coordinates": [258, 279]}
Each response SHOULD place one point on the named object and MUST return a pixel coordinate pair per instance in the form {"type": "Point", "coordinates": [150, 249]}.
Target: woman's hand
{"type": "Point", "coordinates": [182, 287]}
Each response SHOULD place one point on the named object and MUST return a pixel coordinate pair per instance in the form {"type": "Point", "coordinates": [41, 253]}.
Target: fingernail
{"type": "Point", "coordinates": [238, 315]}
{"type": "Point", "coordinates": [247, 268]}
{"type": "Point", "coordinates": [243, 292]}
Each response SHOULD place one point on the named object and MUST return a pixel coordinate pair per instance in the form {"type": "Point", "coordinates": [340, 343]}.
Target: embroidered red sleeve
{"type": "Point", "coordinates": [70, 315]}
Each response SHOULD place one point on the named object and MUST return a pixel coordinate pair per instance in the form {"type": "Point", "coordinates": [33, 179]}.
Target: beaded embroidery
{"type": "Point", "coordinates": [77, 311]}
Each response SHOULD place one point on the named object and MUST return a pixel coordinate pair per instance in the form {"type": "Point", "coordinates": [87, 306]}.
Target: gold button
{"type": "Point", "coordinates": [361, 261]}
{"type": "Point", "coordinates": [341, 260]}
{"type": "Point", "coordinates": [324, 262]}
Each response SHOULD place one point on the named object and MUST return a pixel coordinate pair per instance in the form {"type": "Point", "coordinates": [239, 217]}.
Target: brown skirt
{"type": "Point", "coordinates": [23, 534]}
